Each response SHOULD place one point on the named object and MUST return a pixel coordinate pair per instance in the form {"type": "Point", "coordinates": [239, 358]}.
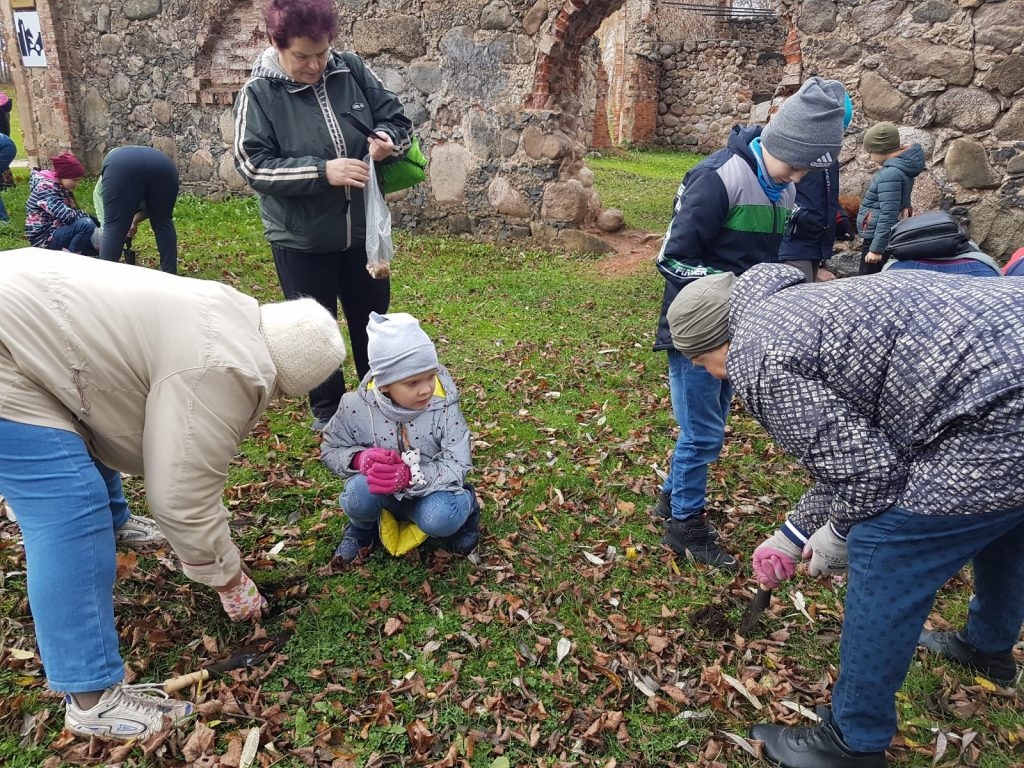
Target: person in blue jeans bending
{"type": "Point", "coordinates": [106, 369]}
{"type": "Point", "coordinates": [402, 444]}
{"type": "Point", "coordinates": [911, 424]}
{"type": "Point", "coordinates": [730, 213]}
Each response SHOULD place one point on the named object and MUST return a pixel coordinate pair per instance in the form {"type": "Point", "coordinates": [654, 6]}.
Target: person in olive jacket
{"type": "Point", "coordinates": [296, 148]}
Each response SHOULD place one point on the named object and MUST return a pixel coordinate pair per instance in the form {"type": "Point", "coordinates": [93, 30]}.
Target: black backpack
{"type": "Point", "coordinates": [933, 235]}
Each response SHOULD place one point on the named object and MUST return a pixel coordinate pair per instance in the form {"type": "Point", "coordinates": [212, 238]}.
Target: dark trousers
{"type": "Point", "coordinates": [134, 179]}
{"type": "Point", "coordinates": [865, 267]}
{"type": "Point", "coordinates": [328, 278]}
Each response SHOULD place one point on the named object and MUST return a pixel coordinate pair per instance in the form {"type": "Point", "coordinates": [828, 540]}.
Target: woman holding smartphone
{"type": "Point", "coordinates": [305, 161]}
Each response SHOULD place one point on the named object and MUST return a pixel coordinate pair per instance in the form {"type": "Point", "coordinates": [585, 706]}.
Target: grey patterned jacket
{"type": "Point", "coordinates": [904, 389]}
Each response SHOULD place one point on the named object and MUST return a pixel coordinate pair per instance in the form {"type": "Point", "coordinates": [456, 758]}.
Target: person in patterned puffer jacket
{"type": "Point", "coordinates": [910, 421]}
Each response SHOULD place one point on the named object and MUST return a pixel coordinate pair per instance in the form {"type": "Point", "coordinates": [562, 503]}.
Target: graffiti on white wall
{"type": "Point", "coordinates": [30, 38]}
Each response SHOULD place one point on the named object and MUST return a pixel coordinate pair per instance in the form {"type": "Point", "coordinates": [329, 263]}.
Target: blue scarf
{"type": "Point", "coordinates": [771, 187]}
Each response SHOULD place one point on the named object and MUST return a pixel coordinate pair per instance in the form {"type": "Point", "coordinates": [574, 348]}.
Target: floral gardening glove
{"type": "Point", "coordinates": [386, 479]}
{"type": "Point", "coordinates": [243, 602]}
{"type": "Point", "coordinates": [826, 550]}
{"type": "Point", "coordinates": [775, 561]}
{"type": "Point", "coordinates": [363, 460]}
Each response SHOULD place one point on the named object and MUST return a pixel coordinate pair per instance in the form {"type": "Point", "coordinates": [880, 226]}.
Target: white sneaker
{"type": "Point", "coordinates": [126, 712]}
{"type": "Point", "coordinates": [139, 532]}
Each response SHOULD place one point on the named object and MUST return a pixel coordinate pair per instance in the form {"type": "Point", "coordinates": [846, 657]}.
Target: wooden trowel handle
{"type": "Point", "coordinates": [184, 681]}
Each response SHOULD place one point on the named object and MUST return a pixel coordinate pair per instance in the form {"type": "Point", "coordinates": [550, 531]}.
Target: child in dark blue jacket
{"type": "Point", "coordinates": [730, 212]}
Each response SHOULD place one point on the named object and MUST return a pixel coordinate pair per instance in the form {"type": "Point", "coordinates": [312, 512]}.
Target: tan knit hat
{"type": "Point", "coordinates": [698, 317]}
{"type": "Point", "coordinates": [304, 343]}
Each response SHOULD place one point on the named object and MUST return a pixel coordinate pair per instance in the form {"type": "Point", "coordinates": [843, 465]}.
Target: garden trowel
{"type": "Point", "coordinates": [756, 608]}
{"type": "Point", "coordinates": [246, 657]}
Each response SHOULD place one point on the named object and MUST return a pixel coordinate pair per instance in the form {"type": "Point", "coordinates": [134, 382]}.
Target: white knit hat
{"type": "Point", "coordinates": [398, 348]}
{"type": "Point", "coordinates": [304, 342]}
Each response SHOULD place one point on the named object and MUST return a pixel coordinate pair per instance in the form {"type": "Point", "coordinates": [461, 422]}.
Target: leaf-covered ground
{"type": "Point", "coordinates": [572, 639]}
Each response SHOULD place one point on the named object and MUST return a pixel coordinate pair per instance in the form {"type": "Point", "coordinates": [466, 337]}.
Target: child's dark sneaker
{"type": "Point", "coordinates": [355, 544]}
{"type": "Point", "coordinates": [662, 509]}
{"type": "Point", "coordinates": [693, 538]}
{"type": "Point", "coordinates": [466, 539]}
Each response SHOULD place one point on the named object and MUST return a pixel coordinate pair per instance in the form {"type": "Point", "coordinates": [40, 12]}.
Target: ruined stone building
{"type": "Point", "coordinates": [509, 95]}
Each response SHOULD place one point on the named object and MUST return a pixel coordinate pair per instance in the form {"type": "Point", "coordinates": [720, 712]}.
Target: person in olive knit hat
{"type": "Point", "coordinates": [912, 480]}
{"type": "Point", "coordinates": [888, 197]}
{"type": "Point", "coordinates": [731, 210]}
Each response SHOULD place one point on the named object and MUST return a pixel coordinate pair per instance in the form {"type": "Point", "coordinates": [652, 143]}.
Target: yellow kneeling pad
{"type": "Point", "coordinates": [399, 536]}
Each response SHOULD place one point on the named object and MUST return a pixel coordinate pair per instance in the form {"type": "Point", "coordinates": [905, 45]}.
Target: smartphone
{"type": "Point", "coordinates": [354, 122]}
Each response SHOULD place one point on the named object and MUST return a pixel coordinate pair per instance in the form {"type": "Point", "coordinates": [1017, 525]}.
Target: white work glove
{"type": "Point", "coordinates": [243, 602]}
{"type": "Point", "coordinates": [775, 560]}
{"type": "Point", "coordinates": [826, 550]}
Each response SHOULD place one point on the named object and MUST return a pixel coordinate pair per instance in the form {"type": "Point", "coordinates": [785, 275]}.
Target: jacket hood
{"type": "Point", "coordinates": [38, 176]}
{"type": "Point", "coordinates": [268, 67]}
{"type": "Point", "coordinates": [446, 393]}
{"type": "Point", "coordinates": [739, 140]}
{"type": "Point", "coordinates": [910, 161]}
{"type": "Point", "coordinates": [757, 285]}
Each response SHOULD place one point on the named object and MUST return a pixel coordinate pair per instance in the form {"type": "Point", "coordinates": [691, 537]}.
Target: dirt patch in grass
{"type": "Point", "coordinates": [712, 621]}
{"type": "Point", "coordinates": [634, 249]}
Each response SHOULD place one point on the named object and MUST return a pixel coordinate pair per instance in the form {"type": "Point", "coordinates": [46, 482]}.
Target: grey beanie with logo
{"type": "Point", "coordinates": [807, 131]}
{"type": "Point", "coordinates": [398, 348]}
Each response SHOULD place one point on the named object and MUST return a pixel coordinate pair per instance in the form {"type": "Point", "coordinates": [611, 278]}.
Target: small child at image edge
{"type": "Point", "coordinates": [402, 445]}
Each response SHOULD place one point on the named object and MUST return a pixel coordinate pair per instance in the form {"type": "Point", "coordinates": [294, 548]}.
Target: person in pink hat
{"type": "Point", "coordinates": [53, 219]}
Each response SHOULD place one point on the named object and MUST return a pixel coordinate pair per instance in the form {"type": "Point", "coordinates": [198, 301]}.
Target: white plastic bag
{"type": "Point", "coordinates": [379, 248]}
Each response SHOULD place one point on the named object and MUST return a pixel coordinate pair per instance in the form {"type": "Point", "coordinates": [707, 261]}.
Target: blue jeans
{"type": "Point", "coordinates": [7, 152]}
{"type": "Point", "coordinates": [898, 561]}
{"type": "Point", "coordinates": [68, 506]}
{"type": "Point", "coordinates": [76, 237]}
{"type": "Point", "coordinates": [438, 514]}
{"type": "Point", "coordinates": [700, 403]}
{"type": "Point", "coordinates": [961, 267]}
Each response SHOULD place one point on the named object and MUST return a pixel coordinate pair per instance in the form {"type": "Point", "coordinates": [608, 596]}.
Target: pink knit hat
{"type": "Point", "coordinates": [67, 166]}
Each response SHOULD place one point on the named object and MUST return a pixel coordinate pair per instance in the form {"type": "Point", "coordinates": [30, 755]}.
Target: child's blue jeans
{"type": "Point", "coordinates": [700, 403]}
{"type": "Point", "coordinates": [438, 514]}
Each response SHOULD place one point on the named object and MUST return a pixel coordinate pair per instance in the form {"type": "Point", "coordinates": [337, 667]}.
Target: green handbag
{"type": "Point", "coordinates": [404, 173]}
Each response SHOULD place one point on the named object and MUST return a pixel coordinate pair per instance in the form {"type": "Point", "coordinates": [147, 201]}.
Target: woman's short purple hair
{"type": "Point", "coordinates": [288, 19]}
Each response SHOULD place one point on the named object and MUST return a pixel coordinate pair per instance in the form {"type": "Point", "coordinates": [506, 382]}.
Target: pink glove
{"type": "Point", "coordinates": [244, 601]}
{"type": "Point", "coordinates": [776, 560]}
{"type": "Point", "coordinates": [363, 460]}
{"type": "Point", "coordinates": [385, 479]}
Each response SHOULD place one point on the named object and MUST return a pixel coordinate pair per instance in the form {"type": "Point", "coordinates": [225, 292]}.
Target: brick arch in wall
{"type": "Point", "coordinates": [557, 77]}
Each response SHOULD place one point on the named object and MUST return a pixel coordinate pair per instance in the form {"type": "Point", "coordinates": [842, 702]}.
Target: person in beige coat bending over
{"type": "Point", "coordinates": [107, 369]}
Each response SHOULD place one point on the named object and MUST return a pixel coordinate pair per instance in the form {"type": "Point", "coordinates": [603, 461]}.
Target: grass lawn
{"type": "Point", "coordinates": [574, 639]}
{"type": "Point", "coordinates": [641, 183]}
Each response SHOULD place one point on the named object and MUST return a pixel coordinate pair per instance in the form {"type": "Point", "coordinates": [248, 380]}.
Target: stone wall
{"type": "Point", "coordinates": [503, 94]}
{"type": "Point", "coordinates": [950, 74]}
{"type": "Point", "coordinates": [708, 86]}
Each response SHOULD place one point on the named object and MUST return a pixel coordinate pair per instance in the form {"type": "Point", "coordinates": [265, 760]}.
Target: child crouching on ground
{"type": "Point", "coordinates": [402, 445]}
